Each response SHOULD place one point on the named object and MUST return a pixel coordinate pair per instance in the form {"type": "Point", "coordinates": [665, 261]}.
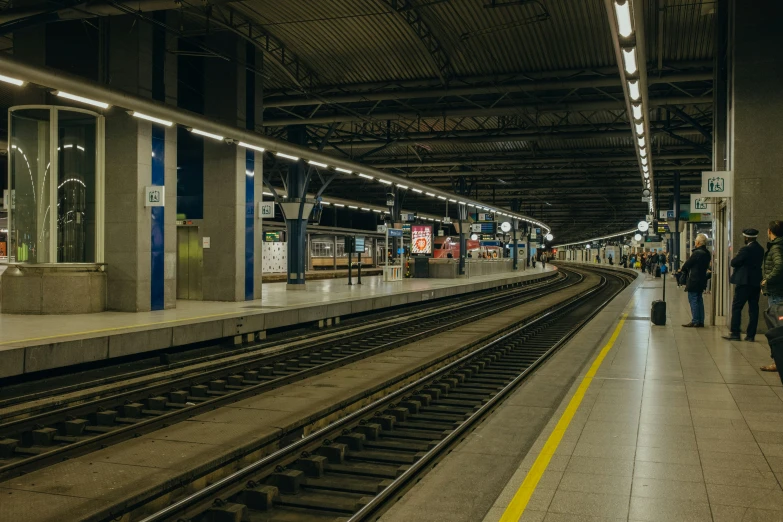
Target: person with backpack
{"type": "Point", "coordinates": [695, 269]}
{"type": "Point", "coordinates": [747, 278]}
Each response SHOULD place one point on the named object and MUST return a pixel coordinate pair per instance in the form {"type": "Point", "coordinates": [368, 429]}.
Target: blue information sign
{"type": "Point", "coordinates": [395, 232]}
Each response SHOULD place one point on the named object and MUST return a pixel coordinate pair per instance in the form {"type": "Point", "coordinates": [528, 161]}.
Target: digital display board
{"type": "Point", "coordinates": [359, 244]}
{"type": "Point", "coordinates": [421, 240]}
{"type": "Point", "coordinates": [273, 237]}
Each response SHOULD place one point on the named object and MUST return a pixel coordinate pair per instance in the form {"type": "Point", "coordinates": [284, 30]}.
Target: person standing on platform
{"type": "Point", "coordinates": [695, 269]}
{"type": "Point", "coordinates": [747, 277]}
{"type": "Point", "coordinates": [772, 286]}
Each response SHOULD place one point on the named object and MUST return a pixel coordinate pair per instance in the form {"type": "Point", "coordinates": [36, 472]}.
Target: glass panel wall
{"type": "Point", "coordinates": [76, 189]}
{"type": "Point", "coordinates": [55, 182]}
{"type": "Point", "coordinates": [29, 169]}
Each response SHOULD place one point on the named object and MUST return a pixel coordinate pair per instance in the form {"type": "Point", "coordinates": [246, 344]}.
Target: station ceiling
{"type": "Point", "coordinates": [507, 99]}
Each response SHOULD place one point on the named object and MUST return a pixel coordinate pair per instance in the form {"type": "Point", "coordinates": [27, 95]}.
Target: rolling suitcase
{"type": "Point", "coordinates": [658, 309]}
{"type": "Point", "coordinates": [657, 271]}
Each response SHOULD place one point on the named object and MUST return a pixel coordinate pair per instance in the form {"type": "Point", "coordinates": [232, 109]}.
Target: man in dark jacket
{"type": "Point", "coordinates": [772, 285]}
{"type": "Point", "coordinates": [773, 273]}
{"type": "Point", "coordinates": [696, 270]}
{"type": "Point", "coordinates": [747, 278]}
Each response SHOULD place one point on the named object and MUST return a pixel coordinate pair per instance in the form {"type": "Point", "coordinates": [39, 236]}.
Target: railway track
{"type": "Point", "coordinates": [353, 469]}
{"type": "Point", "coordinates": [36, 440]}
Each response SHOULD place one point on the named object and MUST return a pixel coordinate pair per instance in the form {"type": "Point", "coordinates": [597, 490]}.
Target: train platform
{"type": "Point", "coordinates": [34, 343]}
{"type": "Point", "coordinates": [661, 423]}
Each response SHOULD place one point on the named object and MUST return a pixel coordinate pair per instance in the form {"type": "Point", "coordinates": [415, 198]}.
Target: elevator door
{"type": "Point", "coordinates": [190, 262]}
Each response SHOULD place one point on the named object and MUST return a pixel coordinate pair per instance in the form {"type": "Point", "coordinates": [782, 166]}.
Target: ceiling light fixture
{"type": "Point", "coordinates": [629, 58]}
{"type": "Point", "coordinates": [152, 119]}
{"type": "Point", "coordinates": [430, 194]}
{"type": "Point", "coordinates": [215, 137]}
{"type": "Point", "coordinates": [82, 99]}
{"type": "Point", "coordinates": [637, 111]}
{"type": "Point", "coordinates": [317, 164]}
{"type": "Point", "coordinates": [639, 128]}
{"type": "Point", "coordinates": [385, 181]}
{"type": "Point", "coordinates": [252, 147]}
{"type": "Point", "coordinates": [641, 141]}
{"type": "Point", "coordinates": [633, 90]}
{"type": "Point", "coordinates": [286, 156]}
{"type": "Point", "coordinates": [8, 79]}
{"type": "Point", "coordinates": [623, 12]}
{"type": "Point", "coordinates": [344, 171]}
{"type": "Point", "coordinates": [365, 176]}
{"type": "Point", "coordinates": [417, 191]}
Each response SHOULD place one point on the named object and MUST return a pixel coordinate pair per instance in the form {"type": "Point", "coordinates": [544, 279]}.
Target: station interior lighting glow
{"type": "Point", "coordinates": [417, 191]}
{"type": "Point", "coordinates": [629, 57]}
{"type": "Point", "coordinates": [385, 181]}
{"type": "Point", "coordinates": [317, 164]}
{"type": "Point", "coordinates": [215, 137]}
{"type": "Point", "coordinates": [344, 171]}
{"type": "Point", "coordinates": [14, 81]}
{"type": "Point", "coordinates": [152, 119]}
{"type": "Point", "coordinates": [365, 176]}
{"type": "Point", "coordinates": [404, 187]}
{"type": "Point", "coordinates": [624, 25]}
{"type": "Point", "coordinates": [633, 90]}
{"type": "Point", "coordinates": [252, 147]}
{"type": "Point", "coordinates": [82, 99]}
{"type": "Point", "coordinates": [286, 156]}
{"type": "Point", "coordinates": [430, 194]}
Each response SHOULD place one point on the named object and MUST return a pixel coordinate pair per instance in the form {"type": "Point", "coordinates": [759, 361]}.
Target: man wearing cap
{"type": "Point", "coordinates": [747, 278]}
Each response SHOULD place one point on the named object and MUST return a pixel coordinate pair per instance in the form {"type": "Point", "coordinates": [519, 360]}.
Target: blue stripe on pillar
{"type": "Point", "coordinates": [249, 213]}
{"type": "Point", "coordinates": [157, 294]}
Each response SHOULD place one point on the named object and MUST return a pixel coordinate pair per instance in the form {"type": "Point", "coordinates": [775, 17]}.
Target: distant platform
{"type": "Point", "coordinates": [35, 343]}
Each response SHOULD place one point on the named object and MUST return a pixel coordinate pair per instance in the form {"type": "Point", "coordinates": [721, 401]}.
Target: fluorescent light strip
{"type": "Point", "coordinates": [345, 171]}
{"type": "Point", "coordinates": [641, 142]}
{"type": "Point", "coordinates": [286, 156]}
{"type": "Point", "coordinates": [639, 128]}
{"type": "Point", "coordinates": [81, 99]}
{"type": "Point", "coordinates": [215, 137]}
{"type": "Point", "coordinates": [325, 203]}
{"type": "Point", "coordinates": [404, 187]}
{"type": "Point", "coordinates": [339, 205]}
{"type": "Point", "coordinates": [353, 207]}
{"type": "Point", "coordinates": [267, 194]}
{"type": "Point", "coordinates": [623, 13]}
{"type": "Point", "coordinates": [249, 146]}
{"type": "Point", "coordinates": [430, 194]}
{"type": "Point", "coordinates": [362, 175]}
{"type": "Point", "coordinates": [376, 210]}
{"type": "Point", "coordinates": [441, 197]}
{"type": "Point", "coordinates": [152, 119]}
{"type": "Point", "coordinates": [471, 205]}
{"type": "Point", "coordinates": [643, 152]}
{"type": "Point", "coordinates": [629, 58]}
{"type": "Point", "coordinates": [317, 164]}
{"type": "Point", "coordinates": [8, 79]}
{"type": "Point", "coordinates": [417, 191]}
{"type": "Point", "coordinates": [633, 90]}
{"type": "Point", "coordinates": [461, 202]}
{"type": "Point", "coordinates": [366, 209]}
{"type": "Point", "coordinates": [385, 181]}
{"type": "Point", "coordinates": [452, 200]}
{"type": "Point", "coordinates": [637, 110]}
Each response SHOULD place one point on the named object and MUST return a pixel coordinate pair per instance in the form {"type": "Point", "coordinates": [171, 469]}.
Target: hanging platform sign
{"type": "Point", "coordinates": [717, 184]}
{"type": "Point", "coordinates": [699, 204]}
{"type": "Point", "coordinates": [266, 209]}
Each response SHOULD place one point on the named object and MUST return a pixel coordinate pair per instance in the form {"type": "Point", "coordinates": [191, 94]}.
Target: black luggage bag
{"type": "Point", "coordinates": [658, 309]}
{"type": "Point", "coordinates": [657, 270]}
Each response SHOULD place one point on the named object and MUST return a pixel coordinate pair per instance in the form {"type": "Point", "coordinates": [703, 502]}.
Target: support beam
{"type": "Point", "coordinates": [501, 110]}
{"type": "Point", "coordinates": [493, 88]}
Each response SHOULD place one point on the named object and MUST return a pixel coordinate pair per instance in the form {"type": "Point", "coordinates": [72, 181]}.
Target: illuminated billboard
{"type": "Point", "coordinates": [421, 240]}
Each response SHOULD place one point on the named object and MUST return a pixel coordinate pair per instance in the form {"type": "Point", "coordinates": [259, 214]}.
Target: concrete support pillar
{"type": "Point", "coordinates": [140, 243]}
{"type": "Point", "coordinates": [755, 154]}
{"type": "Point", "coordinates": [232, 179]}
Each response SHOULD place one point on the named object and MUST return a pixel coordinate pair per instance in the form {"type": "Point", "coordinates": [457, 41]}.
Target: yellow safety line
{"type": "Point", "coordinates": [518, 504]}
{"type": "Point", "coordinates": [128, 327]}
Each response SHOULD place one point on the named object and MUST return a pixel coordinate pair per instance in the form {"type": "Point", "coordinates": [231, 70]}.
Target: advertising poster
{"type": "Point", "coordinates": [421, 240]}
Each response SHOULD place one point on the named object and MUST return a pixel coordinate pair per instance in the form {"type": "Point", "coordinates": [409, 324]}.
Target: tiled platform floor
{"type": "Point", "coordinates": [677, 425]}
